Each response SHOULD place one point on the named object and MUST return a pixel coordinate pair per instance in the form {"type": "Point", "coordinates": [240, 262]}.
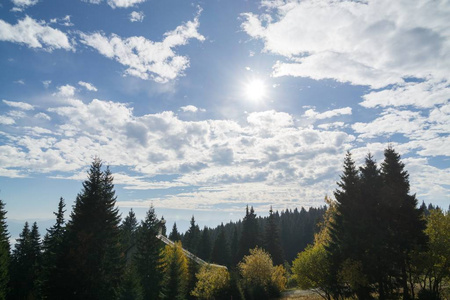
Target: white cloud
{"type": "Point", "coordinates": [88, 86]}
{"type": "Point", "coordinates": [66, 91]}
{"type": "Point", "coordinates": [118, 3]}
{"type": "Point", "coordinates": [137, 16]}
{"type": "Point", "coordinates": [144, 58]}
{"type": "Point", "coordinates": [46, 83]}
{"type": "Point", "coordinates": [43, 116]}
{"type": "Point", "coordinates": [192, 109]}
{"type": "Point", "coordinates": [312, 114]}
{"type": "Point", "coordinates": [65, 21]}
{"type": "Point", "coordinates": [20, 81]}
{"type": "Point", "coordinates": [20, 5]}
{"type": "Point", "coordinates": [20, 105]}
{"type": "Point", "coordinates": [4, 120]}
{"type": "Point", "coordinates": [374, 43]}
{"type": "Point", "coordinates": [34, 34]}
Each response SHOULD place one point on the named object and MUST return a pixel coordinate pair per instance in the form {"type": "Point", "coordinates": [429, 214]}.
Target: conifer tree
{"type": "Point", "coordinates": [147, 256]}
{"type": "Point", "coordinates": [204, 248]}
{"type": "Point", "coordinates": [174, 234]}
{"type": "Point", "coordinates": [406, 224]}
{"type": "Point", "coordinates": [192, 237]}
{"type": "Point", "coordinates": [272, 241]}
{"type": "Point", "coordinates": [128, 231]}
{"type": "Point", "coordinates": [53, 250]}
{"type": "Point", "coordinates": [234, 246]}
{"type": "Point", "coordinates": [25, 265]}
{"type": "Point", "coordinates": [174, 266]}
{"type": "Point", "coordinates": [250, 235]}
{"type": "Point", "coordinates": [95, 263]}
{"type": "Point", "coordinates": [4, 253]}
{"type": "Point", "coordinates": [221, 250]}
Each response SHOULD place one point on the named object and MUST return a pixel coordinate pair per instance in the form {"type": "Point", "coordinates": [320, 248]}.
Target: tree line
{"type": "Point", "coordinates": [371, 242]}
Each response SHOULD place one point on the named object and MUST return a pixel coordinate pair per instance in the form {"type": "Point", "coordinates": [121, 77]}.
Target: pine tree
{"type": "Point", "coordinates": [53, 250]}
{"type": "Point", "coordinates": [4, 253]}
{"type": "Point", "coordinates": [174, 234]}
{"type": "Point", "coordinates": [25, 265]}
{"type": "Point", "coordinates": [147, 256]}
{"type": "Point", "coordinates": [174, 266]}
{"type": "Point", "coordinates": [95, 264]}
{"type": "Point", "coordinates": [221, 250]}
{"type": "Point", "coordinates": [406, 223]}
{"type": "Point", "coordinates": [272, 241]}
{"type": "Point", "coordinates": [250, 235]}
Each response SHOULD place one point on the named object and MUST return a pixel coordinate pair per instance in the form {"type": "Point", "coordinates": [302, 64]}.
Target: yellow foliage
{"type": "Point", "coordinates": [279, 279]}
{"type": "Point", "coordinates": [211, 282]}
{"type": "Point", "coordinates": [174, 255]}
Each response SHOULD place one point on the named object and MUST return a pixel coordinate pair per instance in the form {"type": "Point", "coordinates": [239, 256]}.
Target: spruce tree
{"type": "Point", "coordinates": [53, 250]}
{"type": "Point", "coordinates": [128, 230]}
{"type": "Point", "coordinates": [174, 265]}
{"type": "Point", "coordinates": [147, 255]}
{"type": "Point", "coordinates": [250, 235]}
{"type": "Point", "coordinates": [221, 250]}
{"type": "Point", "coordinates": [272, 242]}
{"type": "Point", "coordinates": [174, 234]}
{"type": "Point", "coordinates": [406, 224]}
{"type": "Point", "coordinates": [25, 265]}
{"type": "Point", "coordinates": [204, 248]}
{"type": "Point", "coordinates": [94, 258]}
{"type": "Point", "coordinates": [4, 253]}
{"type": "Point", "coordinates": [192, 237]}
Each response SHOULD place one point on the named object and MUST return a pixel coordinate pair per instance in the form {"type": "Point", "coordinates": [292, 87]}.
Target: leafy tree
{"type": "Point", "coordinates": [95, 263]}
{"type": "Point", "coordinates": [53, 250]}
{"type": "Point", "coordinates": [147, 256]}
{"type": "Point", "coordinates": [212, 283]}
{"type": "Point", "coordinates": [250, 235]}
{"type": "Point", "coordinates": [25, 265]}
{"type": "Point", "coordinates": [174, 234]}
{"type": "Point", "coordinates": [258, 275]}
{"type": "Point", "coordinates": [221, 250]}
{"type": "Point", "coordinates": [272, 239]}
{"type": "Point", "coordinates": [174, 267]}
{"type": "Point", "coordinates": [4, 253]}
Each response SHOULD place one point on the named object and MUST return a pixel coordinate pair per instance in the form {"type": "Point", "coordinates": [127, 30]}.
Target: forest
{"type": "Point", "coordinates": [370, 241]}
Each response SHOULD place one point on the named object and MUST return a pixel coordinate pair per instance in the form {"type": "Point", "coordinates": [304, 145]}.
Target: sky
{"type": "Point", "coordinates": [203, 107]}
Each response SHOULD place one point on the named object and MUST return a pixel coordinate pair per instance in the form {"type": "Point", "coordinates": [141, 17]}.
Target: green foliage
{"type": "Point", "coordinates": [192, 237]}
{"type": "Point", "coordinates": [221, 250]}
{"type": "Point", "coordinates": [131, 288]}
{"type": "Point", "coordinates": [212, 283]}
{"type": "Point", "coordinates": [175, 273]}
{"type": "Point", "coordinates": [250, 233]}
{"type": "Point", "coordinates": [148, 254]}
{"type": "Point", "coordinates": [204, 248]}
{"type": "Point", "coordinates": [128, 231]}
{"type": "Point", "coordinates": [94, 260]}
{"type": "Point", "coordinates": [174, 234]}
{"type": "Point", "coordinates": [272, 242]}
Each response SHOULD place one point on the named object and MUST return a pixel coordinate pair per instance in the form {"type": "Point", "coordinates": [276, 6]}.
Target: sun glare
{"type": "Point", "coordinates": [255, 90]}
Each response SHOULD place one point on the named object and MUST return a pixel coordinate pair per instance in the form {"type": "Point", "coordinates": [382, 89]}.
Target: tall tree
{"type": "Point", "coordinates": [147, 256]}
{"type": "Point", "coordinates": [53, 250]}
{"type": "Point", "coordinates": [204, 248]}
{"type": "Point", "coordinates": [250, 234]}
{"type": "Point", "coordinates": [272, 242]}
{"type": "Point", "coordinates": [4, 253]}
{"type": "Point", "coordinates": [174, 234]}
{"type": "Point", "coordinates": [406, 223]}
{"type": "Point", "coordinates": [95, 263]}
{"type": "Point", "coordinates": [174, 266]}
{"type": "Point", "coordinates": [25, 266]}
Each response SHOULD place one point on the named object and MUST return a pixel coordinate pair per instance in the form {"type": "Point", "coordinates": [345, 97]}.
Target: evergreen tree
{"type": "Point", "coordinates": [53, 250]}
{"type": "Point", "coordinates": [406, 223]}
{"type": "Point", "coordinates": [4, 253]}
{"type": "Point", "coordinates": [192, 270]}
{"type": "Point", "coordinates": [221, 250]}
{"type": "Point", "coordinates": [128, 230]}
{"type": "Point", "coordinates": [25, 265]}
{"type": "Point", "coordinates": [204, 248]}
{"type": "Point", "coordinates": [174, 234]}
{"type": "Point", "coordinates": [250, 235]}
{"type": "Point", "coordinates": [234, 246]}
{"type": "Point", "coordinates": [192, 237]}
{"type": "Point", "coordinates": [147, 256]}
{"type": "Point", "coordinates": [95, 264]}
{"type": "Point", "coordinates": [272, 241]}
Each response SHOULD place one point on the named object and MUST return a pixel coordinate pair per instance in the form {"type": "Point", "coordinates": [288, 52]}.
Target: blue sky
{"type": "Point", "coordinates": [203, 107]}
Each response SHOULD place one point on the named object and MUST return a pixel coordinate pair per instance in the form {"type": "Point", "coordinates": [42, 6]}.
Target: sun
{"type": "Point", "coordinates": [255, 90]}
